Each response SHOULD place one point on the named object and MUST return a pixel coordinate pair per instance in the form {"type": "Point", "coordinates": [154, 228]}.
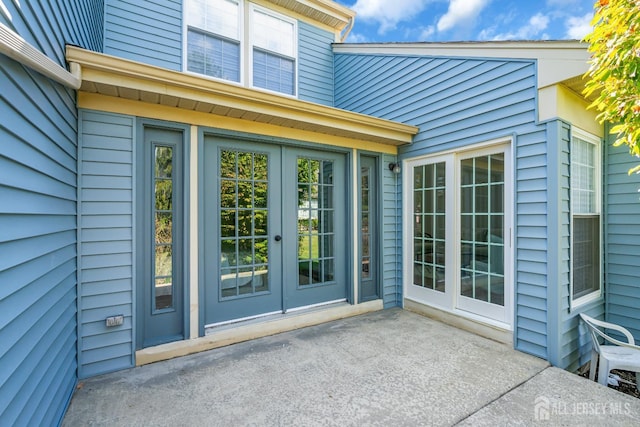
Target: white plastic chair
{"type": "Point", "coordinates": [621, 355]}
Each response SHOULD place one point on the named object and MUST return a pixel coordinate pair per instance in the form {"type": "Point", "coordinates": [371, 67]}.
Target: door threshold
{"type": "Point", "coordinates": [474, 325]}
{"type": "Point", "coordinates": [266, 317]}
{"type": "Point", "coordinates": [232, 333]}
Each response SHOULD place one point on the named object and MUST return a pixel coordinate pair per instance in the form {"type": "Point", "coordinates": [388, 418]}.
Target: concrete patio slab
{"type": "Point", "coordinates": [557, 397]}
{"type": "Point", "coordinates": [391, 367]}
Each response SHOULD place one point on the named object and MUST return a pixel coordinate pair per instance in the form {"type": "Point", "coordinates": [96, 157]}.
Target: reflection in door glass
{"type": "Point", "coordinates": [315, 222]}
{"type": "Point", "coordinates": [163, 227]}
{"type": "Point", "coordinates": [243, 219]}
{"type": "Point", "coordinates": [429, 196]}
{"type": "Point", "coordinates": [365, 188]}
{"type": "Point", "coordinates": [481, 228]}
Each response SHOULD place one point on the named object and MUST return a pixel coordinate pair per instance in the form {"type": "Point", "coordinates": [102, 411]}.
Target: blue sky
{"type": "Point", "coordinates": [464, 20]}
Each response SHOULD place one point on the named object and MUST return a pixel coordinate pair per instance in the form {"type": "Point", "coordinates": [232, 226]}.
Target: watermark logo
{"type": "Point", "coordinates": [542, 408]}
{"type": "Point", "coordinates": [545, 408]}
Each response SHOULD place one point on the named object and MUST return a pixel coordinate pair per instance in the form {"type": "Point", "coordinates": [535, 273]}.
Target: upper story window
{"type": "Point", "coordinates": [273, 46]}
{"type": "Point", "coordinates": [585, 217]}
{"type": "Point", "coordinates": [219, 35]}
{"type": "Point", "coordinates": [214, 36]}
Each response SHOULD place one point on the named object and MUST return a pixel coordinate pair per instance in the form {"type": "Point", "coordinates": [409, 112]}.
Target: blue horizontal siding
{"type": "Point", "coordinates": [458, 102]}
{"type": "Point", "coordinates": [315, 64]}
{"type": "Point", "coordinates": [449, 99]}
{"type": "Point", "coordinates": [622, 239]}
{"type": "Point", "coordinates": [38, 167]}
{"type": "Point", "coordinates": [148, 31]}
{"type": "Point", "coordinates": [50, 25]}
{"type": "Point", "coordinates": [106, 241]}
{"type": "Point", "coordinates": [565, 348]}
{"type": "Point", "coordinates": [391, 236]}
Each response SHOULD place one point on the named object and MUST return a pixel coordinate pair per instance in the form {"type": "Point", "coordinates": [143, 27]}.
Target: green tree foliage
{"type": "Point", "coordinates": [615, 68]}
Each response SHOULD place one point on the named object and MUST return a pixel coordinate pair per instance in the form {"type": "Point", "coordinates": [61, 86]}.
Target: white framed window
{"type": "Point", "coordinates": [273, 51]}
{"type": "Point", "coordinates": [214, 38]}
{"type": "Point", "coordinates": [257, 48]}
{"type": "Point", "coordinates": [586, 224]}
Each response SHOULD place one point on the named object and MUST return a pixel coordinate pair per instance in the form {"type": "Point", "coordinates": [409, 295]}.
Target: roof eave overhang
{"type": "Point", "coordinates": [121, 78]}
{"type": "Point", "coordinates": [327, 12]}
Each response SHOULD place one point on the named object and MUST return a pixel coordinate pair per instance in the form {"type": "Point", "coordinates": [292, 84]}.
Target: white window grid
{"type": "Point", "coordinates": [586, 199]}
{"type": "Point", "coordinates": [196, 14]}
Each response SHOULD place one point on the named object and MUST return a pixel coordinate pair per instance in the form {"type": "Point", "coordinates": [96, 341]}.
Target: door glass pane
{"type": "Point", "coordinates": [481, 234]}
{"type": "Point", "coordinates": [365, 188]}
{"type": "Point", "coordinates": [163, 227]}
{"type": "Point", "coordinates": [315, 222]}
{"type": "Point", "coordinates": [243, 217]}
{"type": "Point", "coordinates": [429, 226]}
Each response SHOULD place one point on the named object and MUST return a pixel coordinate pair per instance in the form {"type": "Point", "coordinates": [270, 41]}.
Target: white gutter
{"type": "Point", "coordinates": [345, 33]}
{"type": "Point", "coordinates": [15, 47]}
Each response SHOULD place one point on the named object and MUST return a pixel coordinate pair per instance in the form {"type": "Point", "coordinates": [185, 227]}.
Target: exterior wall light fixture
{"type": "Point", "coordinates": [395, 168]}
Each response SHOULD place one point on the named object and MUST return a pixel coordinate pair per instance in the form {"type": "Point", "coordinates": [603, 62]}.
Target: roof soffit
{"type": "Point", "coordinates": [117, 77]}
{"type": "Point", "coordinates": [326, 12]}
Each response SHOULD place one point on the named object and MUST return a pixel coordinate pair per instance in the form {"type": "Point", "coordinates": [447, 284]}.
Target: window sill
{"type": "Point", "coordinates": [584, 300]}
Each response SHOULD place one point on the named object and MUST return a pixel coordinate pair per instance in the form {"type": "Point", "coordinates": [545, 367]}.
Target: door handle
{"type": "Point", "coordinates": [277, 238]}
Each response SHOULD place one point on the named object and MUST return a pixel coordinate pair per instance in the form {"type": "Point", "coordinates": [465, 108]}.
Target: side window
{"type": "Point", "coordinates": [585, 217]}
{"type": "Point", "coordinates": [274, 51]}
{"type": "Point", "coordinates": [214, 29]}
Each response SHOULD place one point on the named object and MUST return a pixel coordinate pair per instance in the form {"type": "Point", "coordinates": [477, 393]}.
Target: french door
{"type": "Point", "coordinates": [274, 229]}
{"type": "Point", "coordinates": [458, 232]}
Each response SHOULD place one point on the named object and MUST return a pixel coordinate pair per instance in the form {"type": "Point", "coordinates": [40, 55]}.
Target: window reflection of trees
{"type": "Point", "coordinates": [243, 221]}
{"type": "Point", "coordinates": [315, 221]}
{"type": "Point", "coordinates": [163, 226]}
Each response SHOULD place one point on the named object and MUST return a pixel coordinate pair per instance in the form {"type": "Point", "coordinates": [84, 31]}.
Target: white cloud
{"type": "Point", "coordinates": [356, 38]}
{"type": "Point", "coordinates": [487, 33]}
{"type": "Point", "coordinates": [533, 30]}
{"type": "Point", "coordinates": [579, 26]}
{"type": "Point", "coordinates": [389, 13]}
{"type": "Point", "coordinates": [427, 32]}
{"type": "Point", "coordinates": [461, 12]}
{"type": "Point", "coordinates": [537, 23]}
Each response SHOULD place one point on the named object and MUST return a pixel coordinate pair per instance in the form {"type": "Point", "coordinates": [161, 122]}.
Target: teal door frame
{"type": "Point", "coordinates": [283, 144]}
{"type": "Point", "coordinates": [158, 322]}
{"type": "Point", "coordinates": [326, 263]}
{"type": "Point", "coordinates": [238, 284]}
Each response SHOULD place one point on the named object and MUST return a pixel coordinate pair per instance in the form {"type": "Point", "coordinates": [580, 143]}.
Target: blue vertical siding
{"type": "Point", "coordinates": [315, 64]}
{"type": "Point", "coordinates": [458, 102]}
{"type": "Point", "coordinates": [148, 31]}
{"type": "Point", "coordinates": [622, 238]}
{"type": "Point", "coordinates": [38, 167]}
{"type": "Point", "coordinates": [105, 254]}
